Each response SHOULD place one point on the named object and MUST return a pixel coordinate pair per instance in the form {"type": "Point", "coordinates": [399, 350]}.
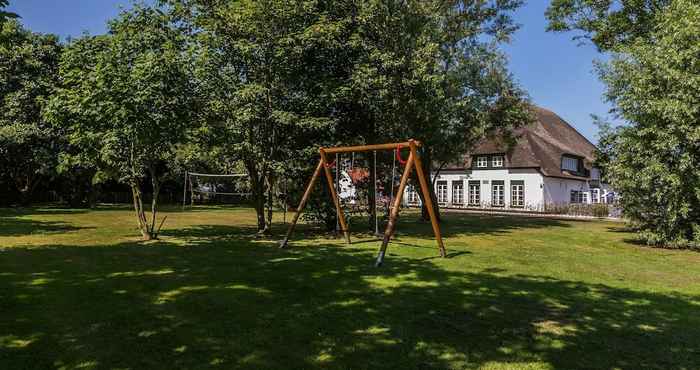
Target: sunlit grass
{"type": "Point", "coordinates": [79, 290]}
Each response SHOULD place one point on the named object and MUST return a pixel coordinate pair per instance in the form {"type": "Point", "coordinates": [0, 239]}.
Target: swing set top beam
{"type": "Point", "coordinates": [369, 148]}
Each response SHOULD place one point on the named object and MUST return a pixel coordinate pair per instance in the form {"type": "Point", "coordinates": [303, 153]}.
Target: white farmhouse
{"type": "Point", "coordinates": [550, 164]}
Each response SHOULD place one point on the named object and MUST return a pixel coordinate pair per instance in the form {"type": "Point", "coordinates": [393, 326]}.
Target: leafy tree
{"type": "Point", "coordinates": [126, 100]}
{"type": "Point", "coordinates": [28, 68]}
{"type": "Point", "coordinates": [264, 69]}
{"type": "Point", "coordinates": [5, 15]}
{"type": "Point", "coordinates": [431, 70]}
{"type": "Point", "coordinates": [287, 77]}
{"type": "Point", "coordinates": [608, 23]}
{"type": "Point", "coordinates": [653, 160]}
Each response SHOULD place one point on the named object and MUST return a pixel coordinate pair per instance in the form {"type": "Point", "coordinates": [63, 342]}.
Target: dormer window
{"type": "Point", "coordinates": [497, 161]}
{"type": "Point", "coordinates": [482, 162]}
{"type": "Point", "coordinates": [571, 164]}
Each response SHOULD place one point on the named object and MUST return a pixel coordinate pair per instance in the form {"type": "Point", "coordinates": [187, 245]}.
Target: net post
{"type": "Point", "coordinates": [184, 192]}
{"type": "Point", "coordinates": [191, 193]}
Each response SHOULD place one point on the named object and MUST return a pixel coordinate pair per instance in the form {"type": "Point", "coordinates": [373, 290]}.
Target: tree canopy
{"type": "Point", "coordinates": [28, 69]}
{"type": "Point", "coordinates": [4, 14]}
{"type": "Point", "coordinates": [608, 23]}
{"type": "Point", "coordinates": [288, 77]}
{"type": "Point", "coordinates": [653, 160]}
{"type": "Point", "coordinates": [259, 86]}
{"type": "Point", "coordinates": [125, 100]}
{"type": "Point", "coordinates": [264, 69]}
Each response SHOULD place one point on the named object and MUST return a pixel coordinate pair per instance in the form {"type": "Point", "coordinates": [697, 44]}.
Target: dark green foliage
{"type": "Point", "coordinates": [28, 74]}
{"type": "Point", "coordinates": [652, 80]}
{"type": "Point", "coordinates": [653, 162]}
{"type": "Point", "coordinates": [283, 78]}
{"type": "Point", "coordinates": [267, 74]}
{"type": "Point", "coordinates": [272, 81]}
{"type": "Point", "coordinates": [125, 102]}
{"type": "Point", "coordinates": [431, 70]}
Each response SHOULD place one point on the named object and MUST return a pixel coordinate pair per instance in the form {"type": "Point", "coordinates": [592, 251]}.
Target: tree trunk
{"type": "Point", "coordinates": [155, 182]}
{"type": "Point", "coordinates": [259, 200]}
{"type": "Point", "coordinates": [93, 195]}
{"type": "Point", "coordinates": [140, 212]}
{"type": "Point", "coordinates": [26, 189]}
{"type": "Point", "coordinates": [258, 190]}
{"type": "Point", "coordinates": [270, 183]}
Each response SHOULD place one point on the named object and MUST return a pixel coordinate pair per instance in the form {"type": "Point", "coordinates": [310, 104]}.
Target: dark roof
{"type": "Point", "coordinates": [540, 144]}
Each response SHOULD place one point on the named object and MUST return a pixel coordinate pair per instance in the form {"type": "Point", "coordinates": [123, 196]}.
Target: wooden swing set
{"type": "Point", "coordinates": [412, 161]}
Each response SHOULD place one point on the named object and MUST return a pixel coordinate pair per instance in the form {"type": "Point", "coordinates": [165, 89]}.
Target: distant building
{"type": "Point", "coordinates": [550, 164]}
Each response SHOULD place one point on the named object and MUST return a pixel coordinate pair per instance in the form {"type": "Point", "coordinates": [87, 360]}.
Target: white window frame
{"type": "Point", "coordinates": [578, 197]}
{"type": "Point", "coordinates": [474, 192]}
{"type": "Point", "coordinates": [498, 193]}
{"type": "Point", "coordinates": [413, 196]}
{"type": "Point", "coordinates": [595, 196]}
{"type": "Point", "coordinates": [482, 161]}
{"type": "Point", "coordinates": [497, 161]}
{"type": "Point", "coordinates": [458, 192]}
{"type": "Point", "coordinates": [441, 192]}
{"type": "Point", "coordinates": [517, 194]}
{"type": "Point", "coordinates": [569, 163]}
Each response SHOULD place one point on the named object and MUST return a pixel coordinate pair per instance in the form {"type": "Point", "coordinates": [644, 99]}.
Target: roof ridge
{"type": "Point", "coordinates": [569, 125]}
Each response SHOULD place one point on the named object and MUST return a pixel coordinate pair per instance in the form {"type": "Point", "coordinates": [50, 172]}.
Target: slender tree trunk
{"type": "Point", "coordinates": [260, 207]}
{"type": "Point", "coordinates": [258, 189]}
{"type": "Point", "coordinates": [270, 182]}
{"type": "Point", "coordinates": [155, 182]}
{"type": "Point", "coordinates": [25, 186]}
{"type": "Point", "coordinates": [93, 195]}
{"type": "Point", "coordinates": [140, 213]}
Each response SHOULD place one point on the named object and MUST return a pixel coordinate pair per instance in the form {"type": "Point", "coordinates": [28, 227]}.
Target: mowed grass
{"type": "Point", "coordinates": [78, 290]}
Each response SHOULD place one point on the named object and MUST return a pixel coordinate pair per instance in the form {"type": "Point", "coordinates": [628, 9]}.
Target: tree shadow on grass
{"type": "Point", "coordinates": [15, 226]}
{"type": "Point", "coordinates": [53, 210]}
{"type": "Point", "coordinates": [454, 224]}
{"type": "Point", "coordinates": [233, 302]}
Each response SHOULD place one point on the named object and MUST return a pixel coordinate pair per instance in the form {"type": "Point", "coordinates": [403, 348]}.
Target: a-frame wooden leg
{"type": "Point", "coordinates": [395, 210]}
{"type": "Point", "coordinates": [302, 204]}
{"type": "Point", "coordinates": [428, 199]}
{"type": "Point", "coordinates": [336, 200]}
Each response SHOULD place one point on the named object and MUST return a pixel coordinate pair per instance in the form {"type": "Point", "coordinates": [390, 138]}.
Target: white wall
{"type": "Point", "coordinates": [539, 190]}
{"type": "Point", "coordinates": [532, 179]}
{"type": "Point", "coordinates": [558, 191]}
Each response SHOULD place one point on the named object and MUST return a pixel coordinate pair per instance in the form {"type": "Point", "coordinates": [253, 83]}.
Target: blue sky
{"type": "Point", "coordinates": [557, 73]}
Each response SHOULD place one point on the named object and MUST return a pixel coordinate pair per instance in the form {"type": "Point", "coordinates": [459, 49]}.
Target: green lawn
{"type": "Point", "coordinates": [77, 290]}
